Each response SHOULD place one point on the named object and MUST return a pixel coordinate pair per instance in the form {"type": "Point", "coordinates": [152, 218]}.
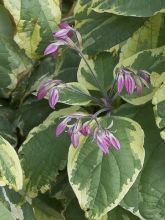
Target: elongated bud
{"type": "Point", "coordinates": [53, 97]}
{"type": "Point", "coordinates": [75, 138]}
{"type": "Point", "coordinates": [114, 141]}
{"type": "Point", "coordinates": [120, 82]}
{"type": "Point", "coordinates": [129, 84]}
{"type": "Point", "coordinates": [61, 127]}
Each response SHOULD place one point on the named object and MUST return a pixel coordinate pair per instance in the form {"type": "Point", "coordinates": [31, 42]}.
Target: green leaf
{"type": "Point", "coordinates": [146, 198]}
{"type": "Point", "coordinates": [119, 213]}
{"type": "Point", "coordinates": [35, 22]}
{"type": "Point", "coordinates": [10, 168]}
{"type": "Point", "coordinates": [5, 214]}
{"type": "Point", "coordinates": [103, 66]}
{"type": "Point", "coordinates": [102, 31]}
{"type": "Point", "coordinates": [13, 67]}
{"type": "Point", "coordinates": [100, 182]}
{"type": "Point", "coordinates": [154, 62]}
{"type": "Point", "coordinates": [142, 8]}
{"type": "Point", "coordinates": [149, 36]}
{"type": "Point", "coordinates": [7, 130]}
{"type": "Point", "coordinates": [24, 120]}
{"type": "Point", "coordinates": [159, 108]}
{"type": "Point", "coordinates": [42, 155]}
{"type": "Point", "coordinates": [46, 208]}
{"type": "Point", "coordinates": [18, 208]}
{"type": "Point", "coordinates": [74, 94]}
{"type": "Point", "coordinates": [6, 26]}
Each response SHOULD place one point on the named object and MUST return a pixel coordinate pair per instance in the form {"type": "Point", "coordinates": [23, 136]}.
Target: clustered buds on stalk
{"type": "Point", "coordinates": [63, 38]}
{"type": "Point", "coordinates": [132, 81]}
{"type": "Point", "coordinates": [52, 88]}
{"type": "Point", "coordinates": [103, 136]}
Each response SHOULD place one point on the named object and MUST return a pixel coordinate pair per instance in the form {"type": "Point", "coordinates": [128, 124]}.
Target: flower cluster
{"type": "Point", "coordinates": [52, 88]}
{"type": "Point", "coordinates": [132, 81]}
{"type": "Point", "coordinates": [62, 37]}
{"type": "Point", "coordinates": [104, 137]}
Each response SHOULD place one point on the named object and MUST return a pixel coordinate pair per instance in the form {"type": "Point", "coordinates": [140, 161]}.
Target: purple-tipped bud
{"type": "Point", "coordinates": [43, 88]}
{"type": "Point", "coordinates": [129, 83]}
{"type": "Point", "coordinates": [138, 90]}
{"type": "Point", "coordinates": [120, 82]}
{"type": "Point", "coordinates": [145, 75]}
{"type": "Point", "coordinates": [75, 138]}
{"type": "Point", "coordinates": [61, 127]}
{"type": "Point", "coordinates": [85, 129]}
{"type": "Point", "coordinates": [114, 141]}
{"type": "Point", "coordinates": [61, 34]}
{"type": "Point", "coordinates": [64, 25]}
{"type": "Point", "coordinates": [52, 49]}
{"type": "Point", "coordinates": [41, 93]}
{"type": "Point", "coordinates": [53, 97]}
{"type": "Point", "coordinates": [103, 143]}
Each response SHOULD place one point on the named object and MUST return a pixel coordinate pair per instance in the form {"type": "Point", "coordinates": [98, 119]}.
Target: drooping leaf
{"type": "Point", "coordinates": [103, 66]}
{"type": "Point", "coordinates": [150, 60]}
{"type": "Point", "coordinates": [43, 155]}
{"type": "Point", "coordinates": [35, 21]}
{"type": "Point", "coordinates": [10, 168]}
{"type": "Point", "coordinates": [14, 66]}
{"type": "Point", "coordinates": [142, 8]}
{"type": "Point", "coordinates": [100, 182]}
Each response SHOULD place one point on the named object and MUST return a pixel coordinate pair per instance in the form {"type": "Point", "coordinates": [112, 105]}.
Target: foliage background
{"type": "Point", "coordinates": [41, 177]}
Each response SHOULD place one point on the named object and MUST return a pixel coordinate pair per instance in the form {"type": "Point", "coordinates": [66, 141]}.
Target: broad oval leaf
{"type": "Point", "coordinates": [35, 21]}
{"type": "Point", "coordinates": [142, 8]}
{"type": "Point", "coordinates": [103, 66]}
{"type": "Point", "coordinates": [100, 182]}
{"type": "Point", "coordinates": [43, 155]}
{"type": "Point", "coordinates": [10, 168]}
{"type": "Point", "coordinates": [150, 60]}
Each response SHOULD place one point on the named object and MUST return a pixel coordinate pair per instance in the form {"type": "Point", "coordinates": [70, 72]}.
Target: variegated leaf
{"type": "Point", "coordinates": [100, 182]}
{"type": "Point", "coordinates": [10, 168]}
{"type": "Point", "coordinates": [35, 21]}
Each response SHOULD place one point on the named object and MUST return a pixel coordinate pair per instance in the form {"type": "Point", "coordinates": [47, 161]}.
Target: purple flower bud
{"type": "Point", "coordinates": [43, 89]}
{"type": "Point", "coordinates": [75, 138]}
{"type": "Point", "coordinates": [138, 90]}
{"type": "Point", "coordinates": [113, 140]}
{"type": "Point", "coordinates": [53, 97]}
{"type": "Point", "coordinates": [41, 93]}
{"type": "Point", "coordinates": [85, 129]}
{"type": "Point", "coordinates": [52, 49]}
{"type": "Point", "coordinates": [103, 143]}
{"type": "Point", "coordinates": [145, 75]}
{"type": "Point", "coordinates": [62, 34]}
{"type": "Point", "coordinates": [64, 25]}
{"type": "Point", "coordinates": [129, 83]}
{"type": "Point", "coordinates": [61, 127]}
{"type": "Point", "coordinates": [120, 82]}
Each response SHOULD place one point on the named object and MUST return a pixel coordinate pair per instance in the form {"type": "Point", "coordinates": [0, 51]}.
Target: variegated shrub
{"type": "Point", "coordinates": [82, 109]}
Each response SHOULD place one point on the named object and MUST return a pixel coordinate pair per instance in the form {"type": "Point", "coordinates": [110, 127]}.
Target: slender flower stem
{"type": "Point", "coordinates": [93, 75]}
{"type": "Point", "coordinates": [99, 112]}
